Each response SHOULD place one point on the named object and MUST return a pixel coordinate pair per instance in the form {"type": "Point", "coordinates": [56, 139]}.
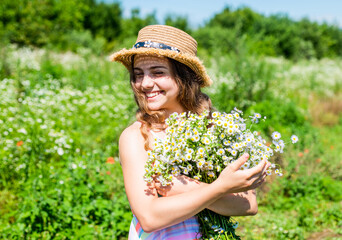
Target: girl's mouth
{"type": "Point", "coordinates": [152, 95]}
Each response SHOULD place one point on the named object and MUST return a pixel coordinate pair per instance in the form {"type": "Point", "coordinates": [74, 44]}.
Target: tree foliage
{"type": "Point", "coordinates": [69, 24]}
{"type": "Point", "coordinates": [274, 35]}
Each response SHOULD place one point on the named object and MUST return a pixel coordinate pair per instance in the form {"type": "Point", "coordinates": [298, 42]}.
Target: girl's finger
{"type": "Point", "coordinates": [238, 163]}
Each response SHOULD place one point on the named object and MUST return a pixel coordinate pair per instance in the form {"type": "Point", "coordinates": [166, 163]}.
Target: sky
{"type": "Point", "coordinates": [200, 11]}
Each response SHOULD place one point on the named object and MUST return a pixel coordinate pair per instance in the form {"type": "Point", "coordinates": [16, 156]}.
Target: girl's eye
{"type": "Point", "coordinates": [159, 73]}
{"type": "Point", "coordinates": [138, 75]}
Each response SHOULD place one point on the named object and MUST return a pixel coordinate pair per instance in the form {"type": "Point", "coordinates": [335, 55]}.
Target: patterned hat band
{"type": "Point", "coordinates": [149, 44]}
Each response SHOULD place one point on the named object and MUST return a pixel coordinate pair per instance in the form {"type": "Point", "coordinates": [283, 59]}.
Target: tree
{"type": "Point", "coordinates": [104, 20]}
{"type": "Point", "coordinates": [178, 22]}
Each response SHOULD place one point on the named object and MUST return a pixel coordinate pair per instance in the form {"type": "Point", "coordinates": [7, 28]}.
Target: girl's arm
{"type": "Point", "coordinates": [231, 204]}
{"type": "Point", "coordinates": [156, 213]}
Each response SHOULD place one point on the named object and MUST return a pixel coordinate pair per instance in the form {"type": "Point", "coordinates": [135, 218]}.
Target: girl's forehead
{"type": "Point", "coordinates": [149, 61]}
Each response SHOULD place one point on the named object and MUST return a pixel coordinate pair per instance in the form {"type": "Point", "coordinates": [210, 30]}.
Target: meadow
{"type": "Point", "coordinates": [61, 115]}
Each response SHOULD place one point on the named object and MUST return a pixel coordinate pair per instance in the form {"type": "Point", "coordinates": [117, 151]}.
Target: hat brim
{"type": "Point", "coordinates": [125, 57]}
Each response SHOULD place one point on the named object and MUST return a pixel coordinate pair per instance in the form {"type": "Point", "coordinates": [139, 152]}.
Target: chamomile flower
{"type": "Point", "coordinates": [225, 124]}
{"type": "Point", "coordinates": [220, 151]}
{"type": "Point", "coordinates": [230, 131]}
{"type": "Point", "coordinates": [188, 134]}
{"type": "Point", "coordinates": [197, 177]}
{"type": "Point", "coordinates": [188, 157]}
{"type": "Point", "coordinates": [200, 151]}
{"type": "Point", "coordinates": [226, 142]}
{"type": "Point", "coordinates": [189, 150]}
{"type": "Point", "coordinates": [245, 166]}
{"type": "Point", "coordinates": [215, 114]}
{"type": "Point", "coordinates": [195, 131]}
{"type": "Point", "coordinates": [294, 138]}
{"type": "Point", "coordinates": [200, 164]}
{"type": "Point", "coordinates": [206, 140]}
{"type": "Point", "coordinates": [195, 138]}
{"type": "Point", "coordinates": [276, 135]}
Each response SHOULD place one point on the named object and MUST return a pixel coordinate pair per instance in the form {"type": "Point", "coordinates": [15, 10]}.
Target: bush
{"type": "Point", "coordinates": [82, 198]}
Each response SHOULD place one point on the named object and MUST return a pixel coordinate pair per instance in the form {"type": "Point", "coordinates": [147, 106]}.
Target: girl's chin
{"type": "Point", "coordinates": [154, 107]}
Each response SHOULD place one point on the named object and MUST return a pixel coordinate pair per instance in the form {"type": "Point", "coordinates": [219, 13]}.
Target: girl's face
{"type": "Point", "coordinates": [154, 78]}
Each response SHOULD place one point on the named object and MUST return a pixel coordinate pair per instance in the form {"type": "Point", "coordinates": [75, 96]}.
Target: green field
{"type": "Point", "coordinates": [61, 115]}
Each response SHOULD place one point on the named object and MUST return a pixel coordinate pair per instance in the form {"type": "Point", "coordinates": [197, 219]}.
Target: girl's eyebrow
{"type": "Point", "coordinates": [153, 67]}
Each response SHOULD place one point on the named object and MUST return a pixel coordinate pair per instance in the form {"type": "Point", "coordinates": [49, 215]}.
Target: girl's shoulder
{"type": "Point", "coordinates": [131, 142]}
{"type": "Point", "coordinates": [132, 131]}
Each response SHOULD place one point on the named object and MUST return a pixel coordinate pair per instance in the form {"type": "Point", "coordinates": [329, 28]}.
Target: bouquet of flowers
{"type": "Point", "coordinates": [200, 147]}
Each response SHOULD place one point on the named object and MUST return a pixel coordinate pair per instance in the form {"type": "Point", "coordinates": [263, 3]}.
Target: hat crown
{"type": "Point", "coordinates": [170, 36]}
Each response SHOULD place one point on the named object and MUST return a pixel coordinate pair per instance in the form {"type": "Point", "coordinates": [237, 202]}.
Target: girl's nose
{"type": "Point", "coordinates": [147, 82]}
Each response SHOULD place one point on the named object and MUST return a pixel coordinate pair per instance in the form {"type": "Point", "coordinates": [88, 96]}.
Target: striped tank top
{"type": "Point", "coordinates": [186, 230]}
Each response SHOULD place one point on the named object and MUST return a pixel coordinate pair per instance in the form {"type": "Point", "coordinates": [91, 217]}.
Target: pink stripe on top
{"type": "Point", "coordinates": [186, 230]}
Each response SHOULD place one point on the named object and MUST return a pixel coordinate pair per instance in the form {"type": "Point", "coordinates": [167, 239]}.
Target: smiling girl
{"type": "Point", "coordinates": [166, 76]}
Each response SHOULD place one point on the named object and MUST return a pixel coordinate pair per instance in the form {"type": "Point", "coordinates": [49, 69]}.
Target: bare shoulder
{"type": "Point", "coordinates": [131, 142]}
{"type": "Point", "coordinates": [130, 133]}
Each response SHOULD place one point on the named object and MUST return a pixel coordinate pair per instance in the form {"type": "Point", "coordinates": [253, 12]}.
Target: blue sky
{"type": "Point", "coordinates": [198, 11]}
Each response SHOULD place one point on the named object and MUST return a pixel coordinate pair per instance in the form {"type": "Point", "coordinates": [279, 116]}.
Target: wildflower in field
{"type": "Point", "coordinates": [294, 138]}
{"type": "Point", "coordinates": [22, 130]}
{"type": "Point", "coordinates": [19, 143]}
{"type": "Point", "coordinates": [276, 135]}
{"type": "Point", "coordinates": [110, 160]}
{"type": "Point", "coordinates": [255, 118]}
{"type": "Point", "coordinates": [60, 151]}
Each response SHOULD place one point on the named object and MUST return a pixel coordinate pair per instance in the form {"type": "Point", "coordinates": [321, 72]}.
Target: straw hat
{"type": "Point", "coordinates": [167, 41]}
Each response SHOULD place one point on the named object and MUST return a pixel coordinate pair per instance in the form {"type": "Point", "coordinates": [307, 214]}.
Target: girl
{"type": "Point", "coordinates": [166, 77]}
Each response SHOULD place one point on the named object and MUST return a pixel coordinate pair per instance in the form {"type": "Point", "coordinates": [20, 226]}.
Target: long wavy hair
{"type": "Point", "coordinates": [190, 97]}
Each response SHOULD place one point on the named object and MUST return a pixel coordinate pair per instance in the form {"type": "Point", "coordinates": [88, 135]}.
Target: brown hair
{"type": "Point", "coordinates": [190, 97]}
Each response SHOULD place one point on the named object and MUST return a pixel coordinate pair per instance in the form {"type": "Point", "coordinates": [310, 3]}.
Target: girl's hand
{"type": "Point", "coordinates": [233, 180]}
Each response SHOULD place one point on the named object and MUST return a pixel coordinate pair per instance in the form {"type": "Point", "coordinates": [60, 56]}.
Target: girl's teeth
{"type": "Point", "coordinates": [152, 94]}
